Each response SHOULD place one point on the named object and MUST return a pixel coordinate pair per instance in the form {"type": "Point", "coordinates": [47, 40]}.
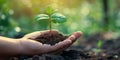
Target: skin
{"type": "Point", "coordinates": [28, 46]}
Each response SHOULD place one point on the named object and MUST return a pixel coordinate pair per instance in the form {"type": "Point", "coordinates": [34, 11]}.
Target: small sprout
{"type": "Point", "coordinates": [49, 10]}
{"type": "Point", "coordinates": [51, 16]}
{"type": "Point", "coordinates": [99, 44]}
{"type": "Point", "coordinates": [98, 49]}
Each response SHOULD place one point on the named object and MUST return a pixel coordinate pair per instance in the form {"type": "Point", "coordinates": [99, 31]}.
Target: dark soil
{"type": "Point", "coordinates": [51, 38]}
{"type": "Point", "coordinates": [73, 54]}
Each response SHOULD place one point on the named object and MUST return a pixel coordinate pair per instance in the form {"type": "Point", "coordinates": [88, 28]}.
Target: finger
{"type": "Point", "coordinates": [32, 35]}
{"type": "Point", "coordinates": [60, 49]}
{"type": "Point", "coordinates": [59, 46]}
{"type": "Point", "coordinates": [37, 33]}
{"type": "Point", "coordinates": [75, 36]}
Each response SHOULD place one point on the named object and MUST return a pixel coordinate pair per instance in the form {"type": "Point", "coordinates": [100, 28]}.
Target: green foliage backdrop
{"type": "Point", "coordinates": [17, 16]}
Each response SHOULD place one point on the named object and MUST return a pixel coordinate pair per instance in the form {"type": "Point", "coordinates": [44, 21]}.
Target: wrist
{"type": "Point", "coordinates": [10, 46]}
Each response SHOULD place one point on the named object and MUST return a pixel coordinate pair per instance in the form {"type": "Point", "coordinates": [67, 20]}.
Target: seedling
{"type": "Point", "coordinates": [99, 44]}
{"type": "Point", "coordinates": [52, 16]}
{"type": "Point", "coordinates": [98, 49]}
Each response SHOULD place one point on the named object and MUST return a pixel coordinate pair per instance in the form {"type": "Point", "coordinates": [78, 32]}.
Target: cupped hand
{"type": "Point", "coordinates": [31, 46]}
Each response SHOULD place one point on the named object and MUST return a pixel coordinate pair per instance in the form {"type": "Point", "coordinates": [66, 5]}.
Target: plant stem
{"type": "Point", "coordinates": [50, 26]}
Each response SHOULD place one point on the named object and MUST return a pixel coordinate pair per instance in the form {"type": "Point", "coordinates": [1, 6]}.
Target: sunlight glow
{"type": "Point", "coordinates": [17, 29]}
{"type": "Point", "coordinates": [11, 12]}
{"type": "Point", "coordinates": [54, 3]}
{"type": "Point", "coordinates": [27, 3]}
{"type": "Point", "coordinates": [3, 16]}
{"type": "Point", "coordinates": [85, 10]}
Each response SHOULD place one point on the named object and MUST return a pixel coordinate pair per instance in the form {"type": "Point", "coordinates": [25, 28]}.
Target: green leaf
{"type": "Point", "coordinates": [49, 10]}
{"type": "Point", "coordinates": [42, 17]}
{"type": "Point", "coordinates": [58, 18]}
{"type": "Point", "coordinates": [99, 44]}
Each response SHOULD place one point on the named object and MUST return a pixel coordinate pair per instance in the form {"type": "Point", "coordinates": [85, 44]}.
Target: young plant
{"type": "Point", "coordinates": [99, 44]}
{"type": "Point", "coordinates": [51, 16]}
{"type": "Point", "coordinates": [98, 49]}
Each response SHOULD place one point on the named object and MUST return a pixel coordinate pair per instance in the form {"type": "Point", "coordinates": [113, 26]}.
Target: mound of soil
{"type": "Point", "coordinates": [51, 38]}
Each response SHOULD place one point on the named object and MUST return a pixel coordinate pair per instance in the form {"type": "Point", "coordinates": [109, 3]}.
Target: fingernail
{"type": "Point", "coordinates": [78, 34]}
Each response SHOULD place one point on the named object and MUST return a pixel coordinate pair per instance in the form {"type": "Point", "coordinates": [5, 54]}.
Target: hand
{"type": "Point", "coordinates": [31, 46]}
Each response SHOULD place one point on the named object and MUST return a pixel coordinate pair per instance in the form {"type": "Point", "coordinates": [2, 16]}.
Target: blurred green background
{"type": "Point", "coordinates": [89, 16]}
